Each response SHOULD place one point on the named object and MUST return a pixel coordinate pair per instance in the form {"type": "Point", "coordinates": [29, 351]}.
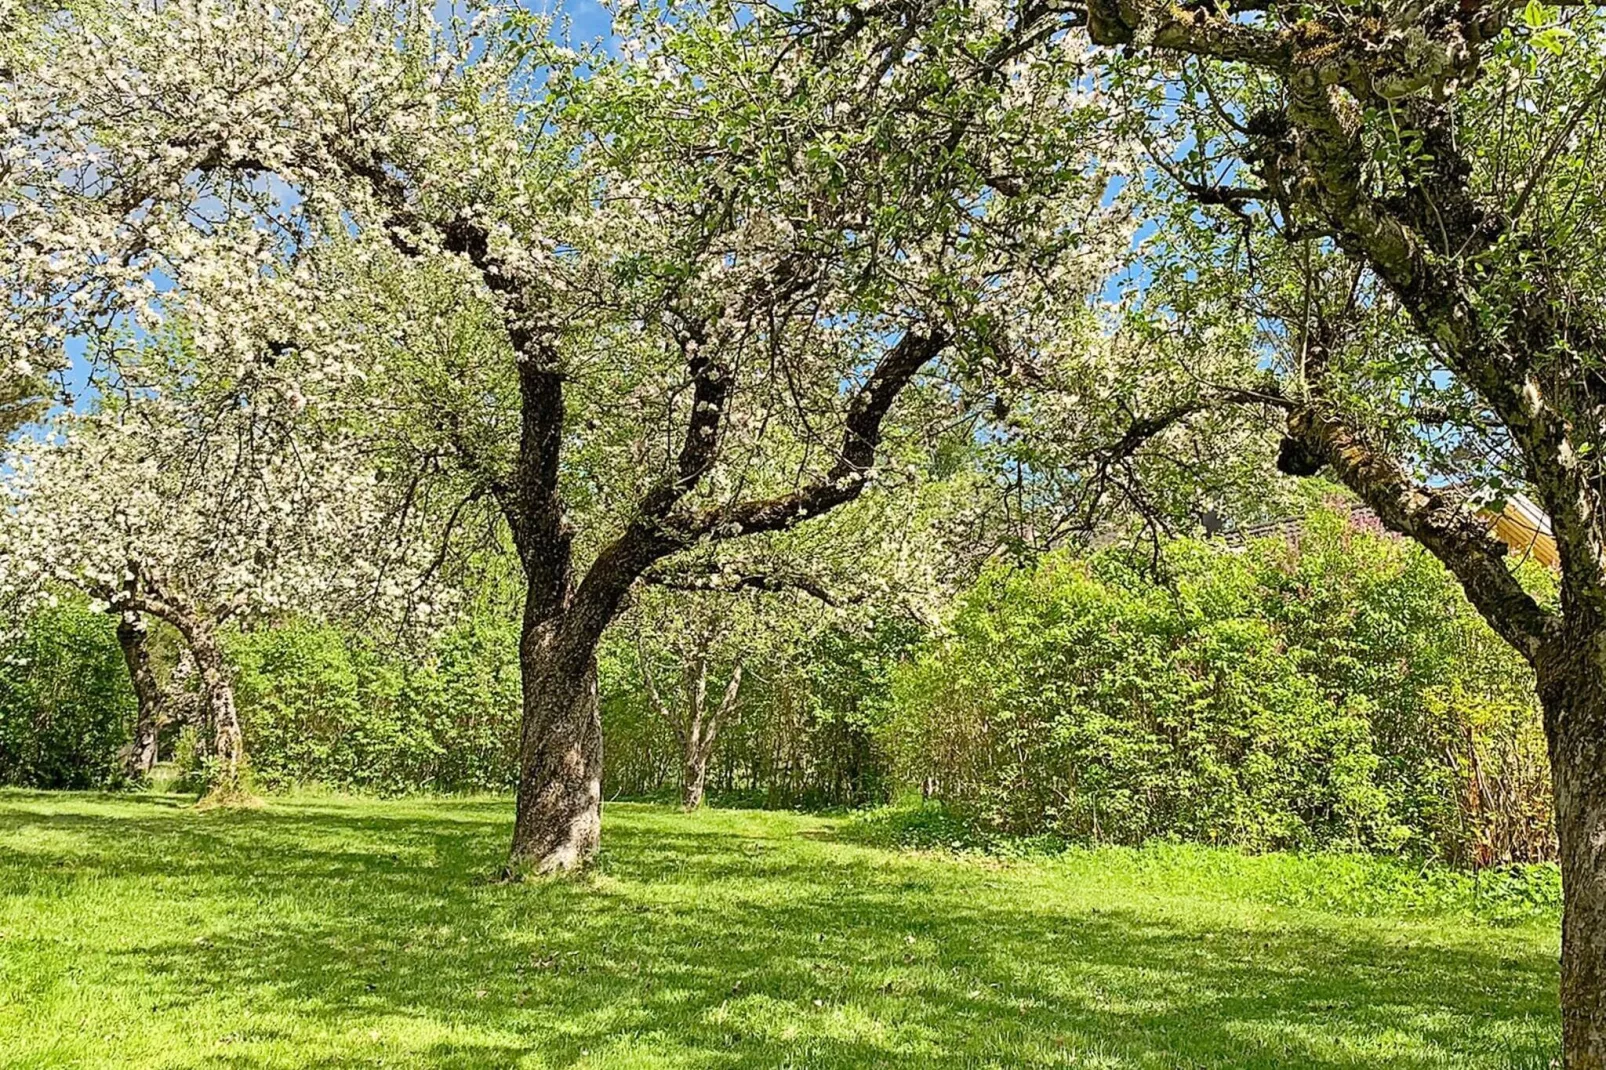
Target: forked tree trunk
{"type": "Point", "coordinates": [225, 766]}
{"type": "Point", "coordinates": [559, 817]}
{"type": "Point", "coordinates": [694, 782]}
{"type": "Point", "coordinates": [1572, 689]}
{"type": "Point", "coordinates": [132, 637]}
{"type": "Point", "coordinates": [702, 732]}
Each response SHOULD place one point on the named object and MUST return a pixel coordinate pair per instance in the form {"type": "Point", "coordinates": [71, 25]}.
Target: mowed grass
{"type": "Point", "coordinates": [341, 932]}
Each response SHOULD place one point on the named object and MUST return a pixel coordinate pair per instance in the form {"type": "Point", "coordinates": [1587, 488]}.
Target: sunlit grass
{"type": "Point", "coordinates": [339, 932]}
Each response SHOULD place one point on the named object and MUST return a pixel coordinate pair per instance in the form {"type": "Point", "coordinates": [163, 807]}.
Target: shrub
{"type": "Point", "coordinates": [1333, 689]}
{"type": "Point", "coordinates": [66, 707]}
{"type": "Point", "coordinates": [319, 704]}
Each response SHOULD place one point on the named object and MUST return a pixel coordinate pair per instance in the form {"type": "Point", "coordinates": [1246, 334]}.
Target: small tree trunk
{"type": "Point", "coordinates": [703, 731]}
{"type": "Point", "coordinates": [559, 816]}
{"type": "Point", "coordinates": [131, 637]}
{"type": "Point", "coordinates": [1572, 689]}
{"type": "Point", "coordinates": [694, 755]}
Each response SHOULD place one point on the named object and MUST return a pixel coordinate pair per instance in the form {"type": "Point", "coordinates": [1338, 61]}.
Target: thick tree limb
{"type": "Point", "coordinates": [1439, 520]}
{"type": "Point", "coordinates": [711, 386]}
{"type": "Point", "coordinates": [1423, 241]}
{"type": "Point", "coordinates": [772, 581]}
{"type": "Point", "coordinates": [861, 438]}
{"type": "Point", "coordinates": [649, 539]}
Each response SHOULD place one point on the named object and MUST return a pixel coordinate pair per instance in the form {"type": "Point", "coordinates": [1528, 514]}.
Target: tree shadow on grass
{"type": "Point", "coordinates": [715, 946]}
{"type": "Point", "coordinates": [304, 840]}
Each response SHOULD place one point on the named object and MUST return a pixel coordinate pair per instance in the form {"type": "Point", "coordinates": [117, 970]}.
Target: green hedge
{"type": "Point", "coordinates": [1330, 689]}
{"type": "Point", "coordinates": [320, 705]}
{"type": "Point", "coordinates": [66, 707]}
{"type": "Point", "coordinates": [1333, 689]}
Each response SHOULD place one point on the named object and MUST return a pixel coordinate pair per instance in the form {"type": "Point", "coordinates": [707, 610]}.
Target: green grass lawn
{"type": "Point", "coordinates": [342, 932]}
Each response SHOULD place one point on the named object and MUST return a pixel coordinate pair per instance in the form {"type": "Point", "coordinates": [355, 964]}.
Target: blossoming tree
{"type": "Point", "coordinates": [709, 266]}
{"type": "Point", "coordinates": [200, 501]}
{"type": "Point", "coordinates": [1401, 203]}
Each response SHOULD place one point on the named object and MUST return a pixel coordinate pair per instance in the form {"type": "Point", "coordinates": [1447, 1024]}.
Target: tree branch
{"type": "Point", "coordinates": [861, 438]}
{"type": "Point", "coordinates": [1436, 518]}
{"type": "Point", "coordinates": [655, 696]}
{"type": "Point", "coordinates": [648, 539]}
{"type": "Point", "coordinates": [773, 581]}
{"type": "Point", "coordinates": [711, 386]}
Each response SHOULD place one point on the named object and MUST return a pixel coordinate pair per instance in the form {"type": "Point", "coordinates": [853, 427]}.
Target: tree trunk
{"type": "Point", "coordinates": [559, 816]}
{"type": "Point", "coordinates": [693, 779]}
{"type": "Point", "coordinates": [226, 769]}
{"type": "Point", "coordinates": [1572, 689]}
{"type": "Point", "coordinates": [703, 730]}
{"type": "Point", "coordinates": [131, 637]}
{"type": "Point", "coordinates": [694, 755]}
{"type": "Point", "coordinates": [225, 766]}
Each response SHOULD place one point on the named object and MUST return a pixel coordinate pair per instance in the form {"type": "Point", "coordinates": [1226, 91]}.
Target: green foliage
{"type": "Point", "coordinates": [805, 731]}
{"type": "Point", "coordinates": [356, 932]}
{"type": "Point", "coordinates": [321, 705]}
{"type": "Point", "coordinates": [22, 398]}
{"type": "Point", "coordinates": [1345, 884]}
{"type": "Point", "coordinates": [1327, 689]}
{"type": "Point", "coordinates": [66, 706]}
{"type": "Point", "coordinates": [188, 761]}
{"type": "Point", "coordinates": [919, 826]}
{"type": "Point", "coordinates": [325, 705]}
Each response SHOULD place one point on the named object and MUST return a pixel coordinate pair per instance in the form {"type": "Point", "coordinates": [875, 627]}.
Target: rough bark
{"type": "Point", "coordinates": [1438, 519]}
{"type": "Point", "coordinates": [1572, 689]}
{"type": "Point", "coordinates": [702, 731]}
{"type": "Point", "coordinates": [693, 782]}
{"type": "Point", "coordinates": [226, 775]}
{"type": "Point", "coordinates": [558, 821]}
{"type": "Point", "coordinates": [132, 637]}
{"type": "Point", "coordinates": [226, 762]}
{"type": "Point", "coordinates": [559, 808]}
{"type": "Point", "coordinates": [558, 813]}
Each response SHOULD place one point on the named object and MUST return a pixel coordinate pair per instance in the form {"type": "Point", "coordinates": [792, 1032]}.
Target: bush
{"type": "Point", "coordinates": [1330, 689]}
{"type": "Point", "coordinates": [66, 706]}
{"type": "Point", "coordinates": [318, 704]}
{"type": "Point", "coordinates": [1333, 689]}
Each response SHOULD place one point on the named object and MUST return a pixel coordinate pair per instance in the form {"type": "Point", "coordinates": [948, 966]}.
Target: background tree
{"type": "Point", "coordinates": [703, 634]}
{"type": "Point", "coordinates": [22, 397]}
{"type": "Point", "coordinates": [197, 500]}
{"type": "Point", "coordinates": [133, 640]}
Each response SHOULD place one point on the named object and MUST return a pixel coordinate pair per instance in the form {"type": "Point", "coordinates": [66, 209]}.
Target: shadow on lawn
{"type": "Point", "coordinates": [725, 949]}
